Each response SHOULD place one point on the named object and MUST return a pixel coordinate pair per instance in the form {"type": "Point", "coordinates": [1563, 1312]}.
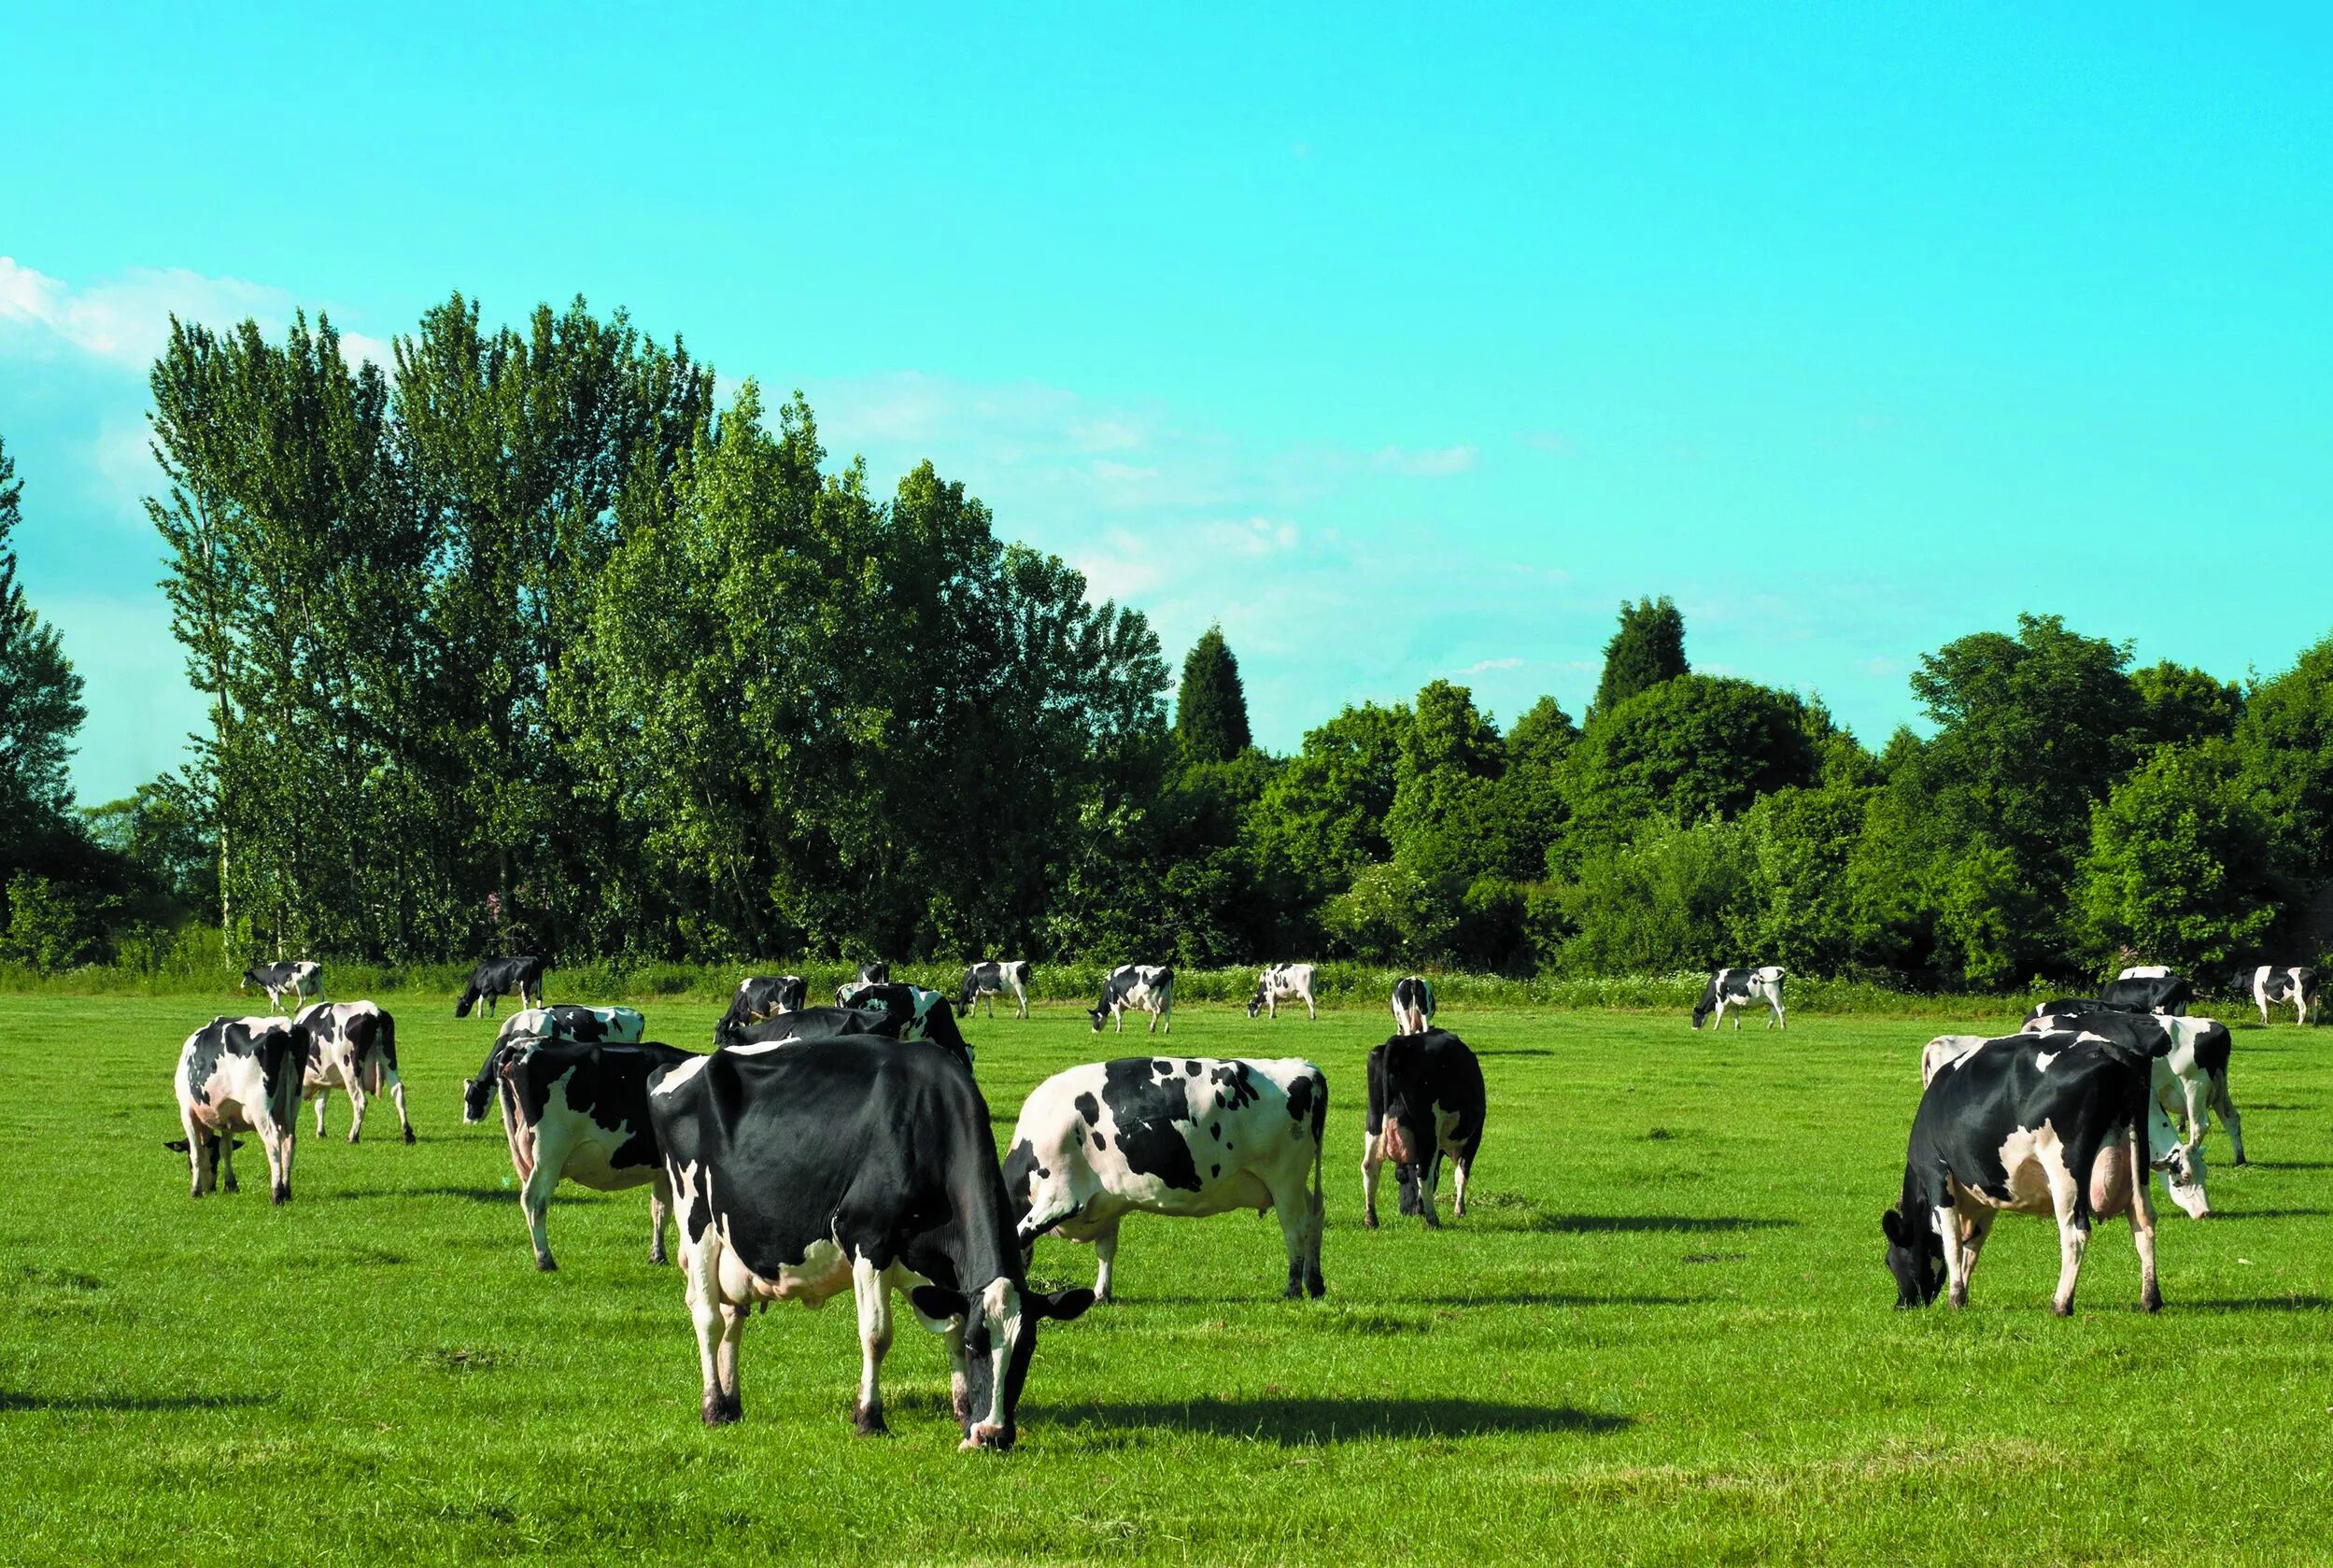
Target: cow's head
{"type": "Point", "coordinates": [477, 1093]}
{"type": "Point", "coordinates": [1099, 1014]}
{"type": "Point", "coordinates": [1255, 1003]}
{"type": "Point", "coordinates": [2183, 1177]}
{"type": "Point", "coordinates": [468, 999]}
{"type": "Point", "coordinates": [1703, 1009]}
{"type": "Point", "coordinates": [1916, 1256]}
{"type": "Point", "coordinates": [999, 1339]}
{"type": "Point", "coordinates": [250, 977]}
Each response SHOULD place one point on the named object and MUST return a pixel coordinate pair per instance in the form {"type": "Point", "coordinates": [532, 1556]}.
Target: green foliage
{"type": "Point", "coordinates": [1392, 914]}
{"type": "Point", "coordinates": [1647, 650]}
{"type": "Point", "coordinates": [1323, 817]}
{"type": "Point", "coordinates": [1692, 748]}
{"type": "Point", "coordinates": [53, 926]}
{"type": "Point", "coordinates": [1212, 704]}
{"type": "Point", "coordinates": [1675, 896]}
{"type": "Point", "coordinates": [158, 838]}
{"type": "Point", "coordinates": [2181, 706]}
{"type": "Point", "coordinates": [40, 696]}
{"type": "Point", "coordinates": [2286, 741]}
{"type": "Point", "coordinates": [2179, 863]}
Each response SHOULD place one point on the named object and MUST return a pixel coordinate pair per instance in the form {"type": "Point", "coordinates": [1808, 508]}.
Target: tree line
{"type": "Point", "coordinates": [525, 641]}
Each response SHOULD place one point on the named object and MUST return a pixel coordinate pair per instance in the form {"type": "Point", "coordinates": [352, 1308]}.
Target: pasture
{"type": "Point", "coordinates": [1665, 1333]}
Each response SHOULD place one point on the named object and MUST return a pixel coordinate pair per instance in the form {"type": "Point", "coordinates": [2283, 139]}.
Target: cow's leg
{"type": "Point", "coordinates": [1167, 1018]}
{"type": "Point", "coordinates": [1299, 1229]}
{"type": "Point", "coordinates": [873, 1292]}
{"type": "Point", "coordinates": [1021, 1001]}
{"type": "Point", "coordinates": [2226, 1106]}
{"type": "Point", "coordinates": [200, 1158]}
{"type": "Point", "coordinates": [356, 1104]}
{"type": "Point", "coordinates": [321, 1095]}
{"type": "Point", "coordinates": [659, 1213]}
{"type": "Point", "coordinates": [1462, 1166]}
{"type": "Point", "coordinates": [397, 1097]}
{"type": "Point", "coordinates": [2142, 1225]}
{"type": "Point", "coordinates": [1106, 1262]}
{"type": "Point", "coordinates": [1429, 1189]}
{"type": "Point", "coordinates": [1372, 1165]}
{"type": "Point", "coordinates": [278, 1146]}
{"type": "Point", "coordinates": [2073, 1236]}
{"type": "Point", "coordinates": [2195, 1104]}
{"type": "Point", "coordinates": [222, 1163]}
{"type": "Point", "coordinates": [701, 1259]}
{"type": "Point", "coordinates": [959, 1374]}
{"type": "Point", "coordinates": [1980, 1227]}
{"type": "Point", "coordinates": [534, 1198]}
{"type": "Point", "coordinates": [1777, 1020]}
{"type": "Point", "coordinates": [1955, 1268]}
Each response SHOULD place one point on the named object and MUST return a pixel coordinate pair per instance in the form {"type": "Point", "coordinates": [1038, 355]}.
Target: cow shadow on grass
{"type": "Point", "coordinates": [2261, 1304]}
{"type": "Point", "coordinates": [1692, 1224]}
{"type": "Point", "coordinates": [1516, 1051]}
{"type": "Point", "coordinates": [149, 1404]}
{"type": "Point", "coordinates": [2289, 1164]}
{"type": "Point", "coordinates": [2268, 1214]}
{"type": "Point", "coordinates": [474, 1194]}
{"type": "Point", "coordinates": [1304, 1422]}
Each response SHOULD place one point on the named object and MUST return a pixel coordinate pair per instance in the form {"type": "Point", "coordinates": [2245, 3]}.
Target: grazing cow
{"type": "Point", "coordinates": [1283, 982]}
{"type": "Point", "coordinates": [238, 1075]}
{"type": "Point", "coordinates": [2052, 1124]}
{"type": "Point", "coordinates": [580, 1112]}
{"type": "Point", "coordinates": [1426, 1099]}
{"type": "Point", "coordinates": [868, 974]}
{"type": "Point", "coordinates": [1148, 986]}
{"type": "Point", "coordinates": [887, 1010]}
{"type": "Point", "coordinates": [2190, 1072]}
{"type": "Point", "coordinates": [2148, 988]}
{"type": "Point", "coordinates": [993, 979]}
{"type": "Point", "coordinates": [570, 1021]}
{"type": "Point", "coordinates": [2266, 984]}
{"type": "Point", "coordinates": [300, 980]}
{"type": "Point", "coordinates": [492, 978]}
{"type": "Point", "coordinates": [352, 1046]}
{"type": "Point", "coordinates": [1413, 1004]}
{"type": "Point", "coordinates": [2071, 1005]}
{"type": "Point", "coordinates": [1187, 1136]}
{"type": "Point", "coordinates": [759, 997]}
{"type": "Point", "coordinates": [867, 1165]}
{"type": "Point", "coordinates": [1739, 988]}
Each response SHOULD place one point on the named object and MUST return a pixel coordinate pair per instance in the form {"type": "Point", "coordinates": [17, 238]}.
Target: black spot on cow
{"type": "Point", "coordinates": [1161, 1069]}
{"type": "Point", "coordinates": [1215, 1131]}
{"type": "Point", "coordinates": [1091, 1108]}
{"type": "Point", "coordinates": [1235, 1085]}
{"type": "Point", "coordinates": [1214, 1170]}
{"type": "Point", "coordinates": [1151, 1118]}
{"type": "Point", "coordinates": [1097, 1141]}
{"type": "Point", "coordinates": [1191, 1069]}
{"type": "Point", "coordinates": [1300, 1099]}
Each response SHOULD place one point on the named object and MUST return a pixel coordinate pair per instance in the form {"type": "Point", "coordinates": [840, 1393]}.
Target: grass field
{"type": "Point", "coordinates": [1664, 1333]}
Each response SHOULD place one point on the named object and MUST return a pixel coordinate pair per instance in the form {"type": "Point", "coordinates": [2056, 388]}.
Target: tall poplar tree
{"type": "Point", "coordinates": [1211, 706]}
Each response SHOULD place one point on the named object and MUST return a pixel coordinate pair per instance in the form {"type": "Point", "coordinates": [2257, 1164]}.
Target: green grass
{"type": "Point", "coordinates": [1664, 1334]}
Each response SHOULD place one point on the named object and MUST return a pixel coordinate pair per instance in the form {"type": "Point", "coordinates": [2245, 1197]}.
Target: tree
{"type": "Point", "coordinates": [1672, 898]}
{"type": "Point", "coordinates": [1649, 649]}
{"type": "Point", "coordinates": [2286, 741]}
{"type": "Point", "coordinates": [2178, 868]}
{"type": "Point", "coordinates": [1212, 704]}
{"type": "Point", "coordinates": [2181, 706]}
{"type": "Point", "coordinates": [1322, 819]}
{"type": "Point", "coordinates": [1689, 749]}
{"type": "Point", "coordinates": [40, 696]}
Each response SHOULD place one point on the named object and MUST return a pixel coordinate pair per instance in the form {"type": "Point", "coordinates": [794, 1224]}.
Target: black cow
{"type": "Point", "coordinates": [2148, 988]}
{"type": "Point", "coordinates": [2034, 1124]}
{"type": "Point", "coordinates": [492, 978]}
{"type": "Point", "coordinates": [922, 1014]}
{"type": "Point", "coordinates": [759, 997]}
{"type": "Point", "coordinates": [1425, 1099]}
{"type": "Point", "coordinates": [1413, 1004]}
{"type": "Point", "coordinates": [868, 974]}
{"type": "Point", "coordinates": [1739, 988]}
{"type": "Point", "coordinates": [240, 1075]}
{"type": "Point", "coordinates": [937, 1027]}
{"type": "Point", "coordinates": [2267, 984]}
{"type": "Point", "coordinates": [302, 979]}
{"type": "Point", "coordinates": [997, 978]}
{"type": "Point", "coordinates": [578, 1111]}
{"type": "Point", "coordinates": [867, 1165]}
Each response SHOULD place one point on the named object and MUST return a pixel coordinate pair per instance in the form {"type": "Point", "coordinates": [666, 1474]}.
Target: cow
{"type": "Point", "coordinates": [298, 980]}
{"type": "Point", "coordinates": [2053, 1124]}
{"type": "Point", "coordinates": [2190, 1077]}
{"type": "Point", "coordinates": [352, 1046]}
{"type": "Point", "coordinates": [570, 1021]}
{"type": "Point", "coordinates": [580, 1112]}
{"type": "Point", "coordinates": [2266, 984]}
{"type": "Point", "coordinates": [1739, 988]}
{"type": "Point", "coordinates": [1283, 982]}
{"type": "Point", "coordinates": [867, 1165]}
{"type": "Point", "coordinates": [492, 978]}
{"type": "Point", "coordinates": [880, 1012]}
{"type": "Point", "coordinates": [2148, 988]}
{"type": "Point", "coordinates": [1413, 1004]}
{"type": "Point", "coordinates": [1426, 1100]}
{"type": "Point", "coordinates": [1148, 986]}
{"type": "Point", "coordinates": [1187, 1136]}
{"type": "Point", "coordinates": [240, 1075]}
{"type": "Point", "coordinates": [868, 974]}
{"type": "Point", "coordinates": [993, 979]}
{"type": "Point", "coordinates": [2182, 1164]}
{"type": "Point", "coordinates": [759, 997]}
{"type": "Point", "coordinates": [2072, 1005]}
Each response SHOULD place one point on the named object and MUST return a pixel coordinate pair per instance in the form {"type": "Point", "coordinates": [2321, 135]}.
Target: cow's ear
{"type": "Point", "coordinates": [1064, 1304]}
{"type": "Point", "coordinates": [938, 1303]}
{"type": "Point", "coordinates": [1892, 1225]}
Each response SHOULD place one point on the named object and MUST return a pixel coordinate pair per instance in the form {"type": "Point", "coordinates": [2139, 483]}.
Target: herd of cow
{"type": "Point", "coordinates": [822, 1148]}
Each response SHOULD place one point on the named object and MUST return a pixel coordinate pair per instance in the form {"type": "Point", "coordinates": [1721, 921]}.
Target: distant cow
{"type": "Point", "coordinates": [240, 1075]}
{"type": "Point", "coordinates": [1413, 1004]}
{"type": "Point", "coordinates": [2190, 1076]}
{"type": "Point", "coordinates": [2071, 1005]}
{"type": "Point", "coordinates": [1740, 988]}
{"type": "Point", "coordinates": [492, 978]}
{"type": "Point", "coordinates": [887, 1010]}
{"type": "Point", "coordinates": [867, 1165]}
{"type": "Point", "coordinates": [868, 974]}
{"type": "Point", "coordinates": [2266, 984]}
{"type": "Point", "coordinates": [581, 1113]}
{"type": "Point", "coordinates": [299, 981]}
{"type": "Point", "coordinates": [2148, 988]}
{"type": "Point", "coordinates": [570, 1021]}
{"type": "Point", "coordinates": [1186, 1136]}
{"type": "Point", "coordinates": [994, 979]}
{"type": "Point", "coordinates": [2049, 1123]}
{"type": "Point", "coordinates": [1283, 982]}
{"type": "Point", "coordinates": [352, 1047]}
{"type": "Point", "coordinates": [1150, 987]}
{"type": "Point", "coordinates": [1426, 1100]}
{"type": "Point", "coordinates": [759, 997]}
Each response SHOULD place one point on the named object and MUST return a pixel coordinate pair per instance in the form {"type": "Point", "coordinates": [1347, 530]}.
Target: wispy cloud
{"type": "Point", "coordinates": [1430, 463]}
{"type": "Point", "coordinates": [125, 320]}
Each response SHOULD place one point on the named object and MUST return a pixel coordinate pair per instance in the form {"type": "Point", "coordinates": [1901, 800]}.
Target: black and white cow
{"type": "Point", "coordinates": [864, 1165]}
{"type": "Point", "coordinates": [2190, 1073]}
{"type": "Point", "coordinates": [1413, 1004]}
{"type": "Point", "coordinates": [1426, 1100]}
{"type": "Point", "coordinates": [1283, 982]}
{"type": "Point", "coordinates": [1186, 1136]}
{"type": "Point", "coordinates": [352, 1047]}
{"type": "Point", "coordinates": [240, 1075]}
{"type": "Point", "coordinates": [1740, 988]}
{"type": "Point", "coordinates": [299, 981]}
{"type": "Point", "coordinates": [2267, 984]}
{"type": "Point", "coordinates": [2052, 1124]}
{"type": "Point", "coordinates": [996, 977]}
{"type": "Point", "coordinates": [492, 978]}
{"type": "Point", "coordinates": [2071, 1005]}
{"type": "Point", "coordinates": [572, 1021]}
{"type": "Point", "coordinates": [868, 974]}
{"type": "Point", "coordinates": [2148, 988]}
{"type": "Point", "coordinates": [921, 1014]}
{"type": "Point", "coordinates": [759, 997]}
{"type": "Point", "coordinates": [578, 1112]}
{"type": "Point", "coordinates": [1150, 987]}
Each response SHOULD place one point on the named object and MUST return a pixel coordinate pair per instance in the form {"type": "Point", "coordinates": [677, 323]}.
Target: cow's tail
{"type": "Point", "coordinates": [384, 1054]}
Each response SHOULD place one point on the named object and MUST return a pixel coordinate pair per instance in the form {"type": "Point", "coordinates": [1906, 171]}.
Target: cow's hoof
{"type": "Point", "coordinates": [993, 1439]}
{"type": "Point", "coordinates": [230, 1186]}
{"type": "Point", "coordinates": [2061, 1309]}
{"type": "Point", "coordinates": [352, 1137]}
{"type": "Point", "coordinates": [1293, 1292]}
{"type": "Point", "coordinates": [2241, 1160]}
{"type": "Point", "coordinates": [1315, 1286]}
{"type": "Point", "coordinates": [280, 1195]}
{"type": "Point", "coordinates": [2151, 1302]}
{"type": "Point", "coordinates": [868, 1422]}
{"type": "Point", "coordinates": [1369, 1220]}
{"type": "Point", "coordinates": [658, 1259]}
{"type": "Point", "coordinates": [543, 1265]}
{"type": "Point", "coordinates": [408, 1134]}
{"type": "Point", "coordinates": [722, 1412]}
{"type": "Point", "coordinates": [1103, 1298]}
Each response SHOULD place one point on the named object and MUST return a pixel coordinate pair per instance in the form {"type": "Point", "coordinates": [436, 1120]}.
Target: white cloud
{"type": "Point", "coordinates": [1430, 463]}
{"type": "Point", "coordinates": [1484, 666]}
{"type": "Point", "coordinates": [125, 320]}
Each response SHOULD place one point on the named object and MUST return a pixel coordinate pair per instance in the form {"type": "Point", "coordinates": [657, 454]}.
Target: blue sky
{"type": "Point", "coordinates": [1405, 342]}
